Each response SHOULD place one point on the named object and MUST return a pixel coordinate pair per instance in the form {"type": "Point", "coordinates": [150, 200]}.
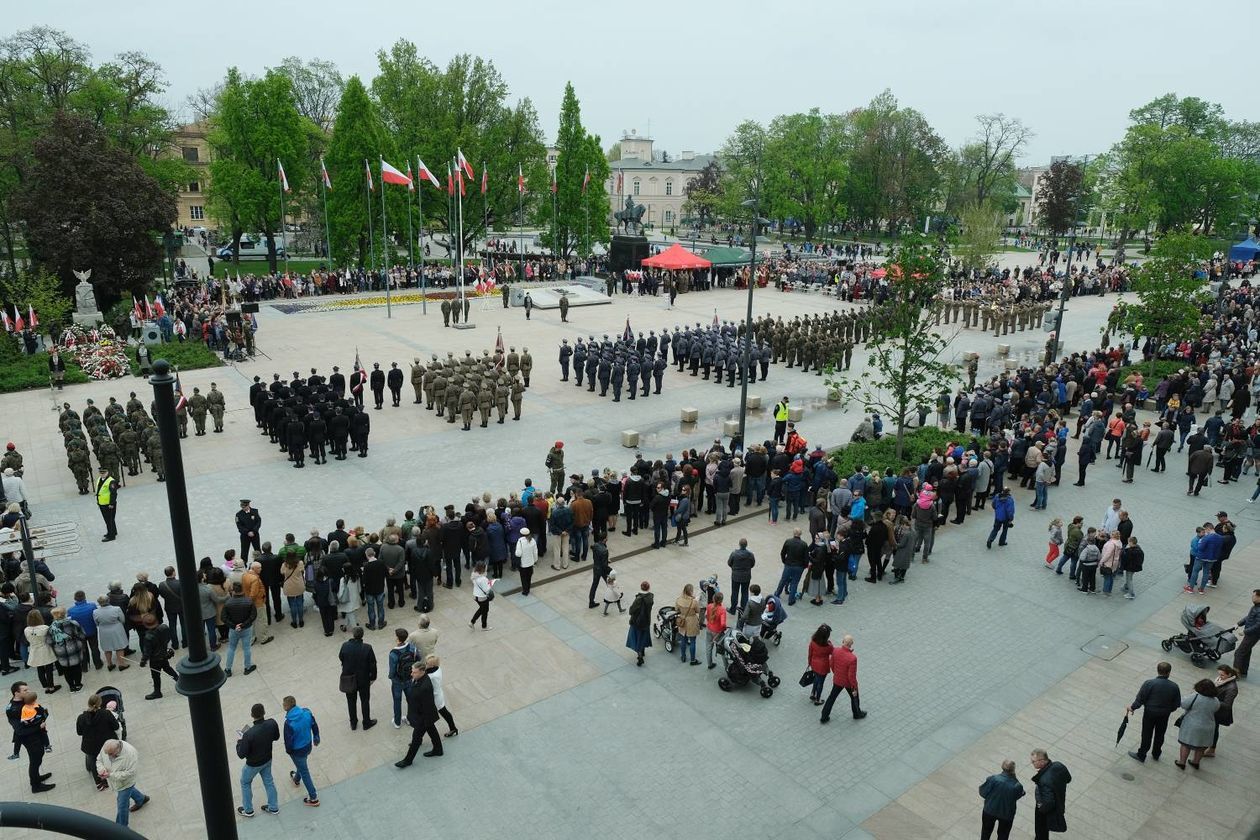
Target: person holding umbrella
{"type": "Point", "coordinates": [1161, 697]}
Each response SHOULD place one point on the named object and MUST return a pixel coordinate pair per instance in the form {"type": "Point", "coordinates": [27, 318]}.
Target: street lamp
{"type": "Point", "coordinates": [200, 676]}
{"type": "Point", "coordinates": [748, 326]}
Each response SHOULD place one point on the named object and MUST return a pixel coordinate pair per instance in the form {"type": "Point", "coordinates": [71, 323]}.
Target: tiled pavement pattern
{"type": "Point", "coordinates": [975, 659]}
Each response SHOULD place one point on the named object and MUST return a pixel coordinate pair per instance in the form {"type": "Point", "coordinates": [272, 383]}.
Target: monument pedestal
{"type": "Point", "coordinates": [627, 251]}
{"type": "Point", "coordinates": [86, 312]}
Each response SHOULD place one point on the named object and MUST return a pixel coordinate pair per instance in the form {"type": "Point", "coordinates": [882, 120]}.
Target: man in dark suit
{"type": "Point", "coordinates": [358, 661]}
{"type": "Point", "coordinates": [1160, 697]}
{"type": "Point", "coordinates": [248, 524]}
{"type": "Point", "coordinates": [422, 714]}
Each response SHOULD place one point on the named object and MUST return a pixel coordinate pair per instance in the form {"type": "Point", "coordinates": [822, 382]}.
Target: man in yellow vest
{"type": "Point", "coordinates": [780, 419]}
{"type": "Point", "coordinates": [107, 501]}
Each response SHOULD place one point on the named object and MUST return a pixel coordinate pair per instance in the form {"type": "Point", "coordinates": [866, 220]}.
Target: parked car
{"type": "Point", "coordinates": [252, 249]}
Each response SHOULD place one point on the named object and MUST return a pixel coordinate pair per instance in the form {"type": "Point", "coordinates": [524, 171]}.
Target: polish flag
{"type": "Point", "coordinates": [18, 324]}
{"type": "Point", "coordinates": [367, 168]}
{"type": "Point", "coordinates": [586, 179]}
{"type": "Point", "coordinates": [32, 317]}
{"type": "Point", "coordinates": [462, 163]}
{"type": "Point", "coordinates": [4, 317]}
{"type": "Point", "coordinates": [520, 179]}
{"type": "Point", "coordinates": [136, 309]}
{"type": "Point", "coordinates": [148, 309]}
{"type": "Point", "coordinates": [411, 184]}
{"type": "Point", "coordinates": [284, 181]}
{"type": "Point", "coordinates": [425, 173]}
{"type": "Point", "coordinates": [450, 182]}
{"type": "Point", "coordinates": [390, 175]}
{"type": "Point", "coordinates": [158, 306]}
{"type": "Point", "coordinates": [323, 173]}
{"type": "Point", "coordinates": [484, 173]}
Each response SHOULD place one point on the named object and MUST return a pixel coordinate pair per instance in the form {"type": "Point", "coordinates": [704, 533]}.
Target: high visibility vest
{"type": "Point", "coordinates": [104, 490]}
{"type": "Point", "coordinates": [780, 412]}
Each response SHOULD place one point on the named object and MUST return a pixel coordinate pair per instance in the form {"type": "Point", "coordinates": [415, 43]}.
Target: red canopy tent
{"type": "Point", "coordinates": [676, 258]}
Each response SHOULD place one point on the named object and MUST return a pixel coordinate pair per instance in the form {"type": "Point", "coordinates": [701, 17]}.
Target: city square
{"type": "Point", "coordinates": [565, 729]}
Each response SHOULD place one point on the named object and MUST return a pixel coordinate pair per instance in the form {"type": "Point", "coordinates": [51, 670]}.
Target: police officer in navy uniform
{"type": "Point", "coordinates": [565, 353]}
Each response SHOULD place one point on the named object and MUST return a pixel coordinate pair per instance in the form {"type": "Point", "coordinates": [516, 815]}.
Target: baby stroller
{"type": "Point", "coordinates": [771, 618]}
{"type": "Point", "coordinates": [110, 695]}
{"type": "Point", "coordinates": [666, 627]}
{"type": "Point", "coordinates": [1203, 640]}
{"type": "Point", "coordinates": [744, 659]}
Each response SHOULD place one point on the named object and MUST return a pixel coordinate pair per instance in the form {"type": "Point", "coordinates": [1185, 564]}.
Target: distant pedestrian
{"type": "Point", "coordinates": [119, 765]}
{"type": "Point", "coordinates": [1003, 517]}
{"type": "Point", "coordinates": [1051, 780]}
{"type": "Point", "coordinates": [1197, 726]}
{"type": "Point", "coordinates": [1159, 697]}
{"type": "Point", "coordinates": [358, 672]}
{"type": "Point", "coordinates": [301, 735]}
{"type": "Point", "coordinates": [843, 678]}
{"type": "Point", "coordinates": [94, 726]}
{"type": "Point", "coordinates": [639, 637]}
{"type": "Point", "coordinates": [1000, 793]}
{"type": "Point", "coordinates": [254, 744]}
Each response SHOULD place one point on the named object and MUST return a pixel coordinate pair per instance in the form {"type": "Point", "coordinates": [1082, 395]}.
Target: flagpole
{"type": "Point", "coordinates": [385, 244]}
{"type": "Point", "coordinates": [323, 185]}
{"type": "Point", "coordinates": [520, 219]}
{"type": "Point", "coordinates": [485, 215]}
{"type": "Point", "coordinates": [411, 242]}
{"type": "Point", "coordinates": [459, 215]}
{"type": "Point", "coordinates": [555, 222]}
{"type": "Point", "coordinates": [424, 306]}
{"type": "Point", "coordinates": [367, 194]}
{"type": "Point", "coordinates": [283, 237]}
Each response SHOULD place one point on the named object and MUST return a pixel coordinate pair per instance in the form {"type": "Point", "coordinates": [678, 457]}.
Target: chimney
{"type": "Point", "coordinates": [686, 155]}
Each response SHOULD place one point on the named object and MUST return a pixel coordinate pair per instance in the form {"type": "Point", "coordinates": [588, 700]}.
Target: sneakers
{"type": "Point", "coordinates": [136, 806]}
{"type": "Point", "coordinates": [267, 809]}
{"type": "Point", "coordinates": [296, 779]}
{"type": "Point", "coordinates": [306, 800]}
{"type": "Point", "coordinates": [251, 669]}
{"type": "Point", "coordinates": [1187, 588]}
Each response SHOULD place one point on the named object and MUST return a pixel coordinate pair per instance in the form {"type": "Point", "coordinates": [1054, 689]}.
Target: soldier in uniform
{"type": "Point", "coordinates": [157, 458]}
{"type": "Point", "coordinates": [181, 413]}
{"type": "Point", "coordinates": [358, 381]}
{"type": "Point", "coordinates": [417, 379]}
{"type": "Point", "coordinates": [80, 465]}
{"type": "Point", "coordinates": [645, 373]}
{"type": "Point", "coordinates": [107, 457]}
{"type": "Point", "coordinates": [592, 364]}
{"type": "Point", "coordinates": [129, 447]}
{"type": "Point", "coordinates": [337, 382]}
{"type": "Point", "coordinates": [632, 375]}
{"type": "Point", "coordinates": [566, 353]}
{"type": "Point", "coordinates": [658, 371]}
{"type": "Point", "coordinates": [338, 431]}
{"type": "Point", "coordinates": [527, 365]}
{"type": "Point", "coordinates": [12, 460]}
{"type": "Point", "coordinates": [485, 401]}
{"type": "Point", "coordinates": [217, 407]}
{"type": "Point", "coordinates": [513, 362]}
{"type": "Point", "coordinates": [972, 367]}
{"type": "Point", "coordinates": [453, 388]}
{"type": "Point", "coordinates": [564, 308]}
{"type": "Point", "coordinates": [394, 379]}
{"type": "Point", "coordinates": [295, 435]}
{"type": "Point", "coordinates": [518, 390]}
{"type": "Point", "coordinates": [501, 393]}
{"type": "Point", "coordinates": [360, 426]}
{"type": "Point", "coordinates": [446, 313]}
{"type": "Point", "coordinates": [198, 407]}
{"type": "Point", "coordinates": [377, 383]}
{"type": "Point", "coordinates": [316, 435]}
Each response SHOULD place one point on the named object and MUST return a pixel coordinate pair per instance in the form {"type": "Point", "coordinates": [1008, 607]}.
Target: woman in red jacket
{"type": "Point", "coordinates": [820, 648]}
{"type": "Point", "coordinates": [714, 626]}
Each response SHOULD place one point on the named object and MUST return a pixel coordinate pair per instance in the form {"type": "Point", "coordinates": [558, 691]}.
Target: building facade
{"type": "Point", "coordinates": [654, 179]}
{"type": "Point", "coordinates": [190, 144]}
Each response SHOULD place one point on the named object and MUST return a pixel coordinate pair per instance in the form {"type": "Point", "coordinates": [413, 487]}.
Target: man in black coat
{"type": "Point", "coordinates": [360, 426]}
{"type": "Point", "coordinates": [453, 536]}
{"type": "Point", "coordinates": [256, 399]}
{"type": "Point", "coordinates": [337, 381]}
{"type": "Point", "coordinates": [255, 746]}
{"type": "Point", "coordinates": [338, 431]}
{"type": "Point", "coordinates": [358, 672]}
{"type": "Point", "coordinates": [422, 714]}
{"type": "Point", "coordinates": [1051, 781]}
{"type": "Point", "coordinates": [795, 557]}
{"type": "Point", "coordinates": [295, 434]}
{"type": "Point", "coordinates": [1161, 697]}
{"type": "Point", "coordinates": [394, 379]}
{"type": "Point", "coordinates": [248, 524]}
{"type": "Point", "coordinates": [316, 434]}
{"type": "Point", "coordinates": [378, 385]}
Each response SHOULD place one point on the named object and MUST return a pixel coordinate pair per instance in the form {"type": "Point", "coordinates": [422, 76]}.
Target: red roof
{"type": "Point", "coordinates": [676, 257]}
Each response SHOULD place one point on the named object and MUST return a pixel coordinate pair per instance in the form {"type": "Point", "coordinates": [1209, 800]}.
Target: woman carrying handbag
{"type": "Point", "coordinates": [483, 594]}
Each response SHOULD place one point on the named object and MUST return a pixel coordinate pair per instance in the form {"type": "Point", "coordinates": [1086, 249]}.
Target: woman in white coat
{"type": "Point", "coordinates": [527, 556]}
{"type": "Point", "coordinates": [40, 655]}
{"type": "Point", "coordinates": [111, 633]}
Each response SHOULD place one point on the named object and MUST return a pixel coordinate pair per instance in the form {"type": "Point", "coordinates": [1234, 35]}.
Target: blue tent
{"type": "Point", "coordinates": [1245, 250]}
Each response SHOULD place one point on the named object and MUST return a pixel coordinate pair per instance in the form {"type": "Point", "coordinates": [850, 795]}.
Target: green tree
{"type": "Point", "coordinates": [704, 193]}
{"type": "Point", "coordinates": [256, 124]}
{"type": "Point", "coordinates": [904, 348]}
{"type": "Point", "coordinates": [743, 155]}
{"type": "Point", "coordinates": [979, 235]}
{"type": "Point", "coordinates": [581, 214]}
{"type": "Point", "coordinates": [317, 85]}
{"type": "Point", "coordinates": [87, 204]}
{"type": "Point", "coordinates": [40, 291]}
{"type": "Point", "coordinates": [805, 170]}
{"type": "Point", "coordinates": [1170, 299]}
{"type": "Point", "coordinates": [358, 136]}
{"type": "Point", "coordinates": [1059, 196]}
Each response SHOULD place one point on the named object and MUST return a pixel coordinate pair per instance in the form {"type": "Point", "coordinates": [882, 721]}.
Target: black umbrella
{"type": "Point", "coordinates": [1124, 724]}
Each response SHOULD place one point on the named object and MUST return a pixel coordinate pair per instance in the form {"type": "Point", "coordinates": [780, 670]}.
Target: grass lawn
{"type": "Point", "coordinates": [222, 268]}
{"type": "Point", "coordinates": [28, 372]}
{"type": "Point", "coordinates": [188, 355]}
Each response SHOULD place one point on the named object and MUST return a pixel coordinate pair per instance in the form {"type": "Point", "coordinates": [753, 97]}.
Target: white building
{"type": "Point", "coordinates": [653, 179]}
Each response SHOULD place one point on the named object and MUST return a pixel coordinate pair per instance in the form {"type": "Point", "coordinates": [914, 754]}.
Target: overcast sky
{"type": "Point", "coordinates": [689, 71]}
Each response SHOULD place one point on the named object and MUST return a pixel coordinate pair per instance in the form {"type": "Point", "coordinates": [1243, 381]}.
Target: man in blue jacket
{"type": "Point", "coordinates": [301, 734]}
{"type": "Point", "coordinates": [1000, 792]}
{"type": "Point", "coordinates": [1003, 516]}
{"type": "Point", "coordinates": [81, 611]}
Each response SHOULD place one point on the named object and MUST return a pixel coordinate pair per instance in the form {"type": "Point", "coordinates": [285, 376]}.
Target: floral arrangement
{"type": "Point", "coordinates": [98, 351]}
{"type": "Point", "coordinates": [338, 304]}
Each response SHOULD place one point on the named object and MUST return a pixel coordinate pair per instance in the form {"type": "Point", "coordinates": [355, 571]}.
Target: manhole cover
{"type": "Point", "coordinates": [1105, 648]}
{"type": "Point", "coordinates": [591, 441]}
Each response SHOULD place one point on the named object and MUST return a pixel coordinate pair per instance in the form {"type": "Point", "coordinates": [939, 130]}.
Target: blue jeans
{"type": "Point", "coordinates": [126, 796]}
{"type": "Point", "coordinates": [396, 688]}
{"type": "Point", "coordinates": [376, 610]}
{"type": "Point", "coordinates": [999, 526]}
{"type": "Point", "coordinates": [789, 580]}
{"type": "Point", "coordinates": [304, 773]}
{"type": "Point", "coordinates": [297, 608]}
{"type": "Point", "coordinates": [1039, 500]}
{"type": "Point", "coordinates": [686, 645]}
{"type": "Point", "coordinates": [239, 637]}
{"type": "Point", "coordinates": [815, 691]}
{"type": "Point", "coordinates": [842, 585]}
{"type": "Point", "coordinates": [212, 633]}
{"type": "Point", "coordinates": [1201, 571]}
{"type": "Point", "coordinates": [578, 542]}
{"type": "Point", "coordinates": [660, 531]}
{"type": "Point", "coordinates": [1064, 558]}
{"type": "Point", "coordinates": [774, 509]}
{"type": "Point", "coordinates": [247, 786]}
{"type": "Point", "coordinates": [1108, 581]}
{"type": "Point", "coordinates": [793, 504]}
{"type": "Point", "coordinates": [757, 485]}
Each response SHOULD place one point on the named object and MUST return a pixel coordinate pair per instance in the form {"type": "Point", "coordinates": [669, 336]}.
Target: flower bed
{"type": "Point", "coordinates": [98, 352]}
{"type": "Point", "coordinates": [336, 303]}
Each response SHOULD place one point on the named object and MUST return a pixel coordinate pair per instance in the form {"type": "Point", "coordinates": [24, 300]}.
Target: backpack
{"type": "Point", "coordinates": [402, 668]}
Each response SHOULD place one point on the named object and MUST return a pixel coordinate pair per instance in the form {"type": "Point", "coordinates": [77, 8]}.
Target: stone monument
{"type": "Point", "coordinates": [628, 250]}
{"type": "Point", "coordinates": [86, 313]}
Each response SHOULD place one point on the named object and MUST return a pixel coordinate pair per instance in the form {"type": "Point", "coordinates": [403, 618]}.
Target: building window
{"type": "Point", "coordinates": [636, 186]}
{"type": "Point", "coordinates": [197, 212]}
{"type": "Point", "coordinates": [194, 187]}
{"type": "Point", "coordinates": [669, 190]}
{"type": "Point", "coordinates": [669, 214]}
{"type": "Point", "coordinates": [191, 155]}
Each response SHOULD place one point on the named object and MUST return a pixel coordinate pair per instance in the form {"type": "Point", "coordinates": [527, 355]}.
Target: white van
{"type": "Point", "coordinates": [252, 248]}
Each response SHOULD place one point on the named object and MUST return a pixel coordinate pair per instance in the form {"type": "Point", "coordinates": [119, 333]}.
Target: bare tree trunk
{"type": "Point", "coordinates": [1125, 233]}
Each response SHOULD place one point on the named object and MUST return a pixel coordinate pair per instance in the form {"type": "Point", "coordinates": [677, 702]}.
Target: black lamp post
{"type": "Point", "coordinates": [200, 676]}
{"type": "Point", "coordinates": [748, 325]}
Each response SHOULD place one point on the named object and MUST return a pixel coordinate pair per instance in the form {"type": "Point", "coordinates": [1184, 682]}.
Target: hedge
{"type": "Point", "coordinates": [881, 454]}
{"type": "Point", "coordinates": [184, 355]}
{"type": "Point", "coordinates": [25, 373]}
{"type": "Point", "coordinates": [1163, 367]}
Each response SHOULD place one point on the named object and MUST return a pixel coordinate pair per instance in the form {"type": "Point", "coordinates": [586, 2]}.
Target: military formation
{"type": "Point", "coordinates": [1002, 317]}
{"type": "Point", "coordinates": [199, 405]}
{"type": "Point", "coordinates": [119, 437]}
{"type": "Point", "coordinates": [627, 363]}
{"type": "Point", "coordinates": [314, 413]}
{"type": "Point", "coordinates": [473, 387]}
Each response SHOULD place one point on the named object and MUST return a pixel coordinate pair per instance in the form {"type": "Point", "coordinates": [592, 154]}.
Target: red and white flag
{"type": "Point", "coordinates": [427, 174]}
{"type": "Point", "coordinates": [484, 181]}
{"type": "Point", "coordinates": [148, 308]}
{"type": "Point", "coordinates": [284, 181]}
{"type": "Point", "coordinates": [4, 316]}
{"type": "Point", "coordinates": [553, 180]}
{"type": "Point", "coordinates": [450, 181]}
{"type": "Point", "coordinates": [136, 309]}
{"type": "Point", "coordinates": [498, 349]}
{"type": "Point", "coordinates": [411, 184]}
{"type": "Point", "coordinates": [179, 389]}
{"type": "Point", "coordinates": [32, 317]}
{"type": "Point", "coordinates": [158, 306]}
{"type": "Point", "coordinates": [390, 175]}
{"type": "Point", "coordinates": [620, 182]}
{"type": "Point", "coordinates": [323, 173]}
{"type": "Point", "coordinates": [520, 179]}
{"type": "Point", "coordinates": [462, 163]}
{"type": "Point", "coordinates": [18, 323]}
{"type": "Point", "coordinates": [586, 179]}
{"type": "Point", "coordinates": [368, 169]}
